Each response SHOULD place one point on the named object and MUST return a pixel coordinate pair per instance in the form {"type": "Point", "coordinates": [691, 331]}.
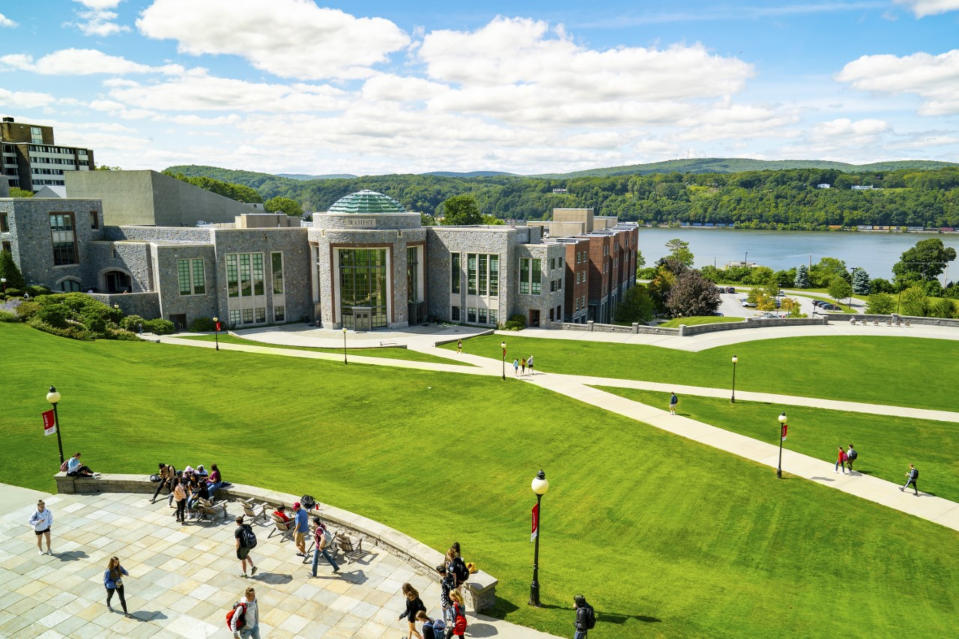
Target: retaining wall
{"type": "Point", "coordinates": [885, 319]}
{"type": "Point", "coordinates": [616, 328]}
{"type": "Point", "coordinates": [749, 322]}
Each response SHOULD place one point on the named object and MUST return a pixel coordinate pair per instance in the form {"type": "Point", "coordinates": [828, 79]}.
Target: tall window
{"type": "Point", "coordinates": [232, 278]}
{"type": "Point", "coordinates": [483, 275]}
{"type": "Point", "coordinates": [524, 275]}
{"type": "Point", "coordinates": [493, 275]}
{"type": "Point", "coordinates": [455, 273]}
{"type": "Point", "coordinates": [63, 232]}
{"type": "Point", "coordinates": [244, 274]}
{"type": "Point", "coordinates": [94, 220]}
{"type": "Point", "coordinates": [412, 275]}
{"type": "Point", "coordinates": [279, 314]}
{"type": "Point", "coordinates": [471, 274]}
{"type": "Point", "coordinates": [537, 274]}
{"type": "Point", "coordinates": [363, 275]}
{"type": "Point", "coordinates": [277, 264]}
{"type": "Point", "coordinates": [246, 287]}
{"type": "Point", "coordinates": [36, 135]}
{"type": "Point", "coordinates": [190, 277]}
{"type": "Point", "coordinates": [258, 274]}
{"type": "Point", "coordinates": [4, 227]}
{"type": "Point", "coordinates": [199, 281]}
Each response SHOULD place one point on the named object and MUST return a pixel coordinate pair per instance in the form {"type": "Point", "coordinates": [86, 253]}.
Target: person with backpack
{"type": "Point", "coordinates": [244, 619]}
{"type": "Point", "coordinates": [245, 541]}
{"type": "Point", "coordinates": [585, 617]}
{"type": "Point", "coordinates": [413, 606]}
{"type": "Point", "coordinates": [447, 583]}
{"type": "Point", "coordinates": [459, 617]}
{"type": "Point", "coordinates": [851, 456]}
{"type": "Point", "coordinates": [673, 401]}
{"type": "Point", "coordinates": [322, 538]}
{"type": "Point", "coordinates": [113, 582]}
{"type": "Point", "coordinates": [841, 460]}
{"type": "Point", "coordinates": [911, 478]}
{"type": "Point", "coordinates": [515, 367]}
{"type": "Point", "coordinates": [432, 628]}
{"type": "Point", "coordinates": [456, 567]}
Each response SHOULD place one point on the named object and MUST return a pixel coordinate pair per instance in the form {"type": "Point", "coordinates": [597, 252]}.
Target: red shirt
{"type": "Point", "coordinates": [842, 455]}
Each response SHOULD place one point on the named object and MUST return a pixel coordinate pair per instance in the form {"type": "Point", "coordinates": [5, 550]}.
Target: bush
{"type": "Point", "coordinates": [132, 323]}
{"type": "Point", "coordinates": [203, 325]}
{"type": "Point", "coordinates": [26, 310]}
{"type": "Point", "coordinates": [159, 326]}
{"type": "Point", "coordinates": [515, 322]}
{"type": "Point", "coordinates": [941, 308]}
{"type": "Point", "coordinates": [880, 304]}
{"type": "Point", "coordinates": [7, 316]}
{"type": "Point", "coordinates": [37, 291]}
{"type": "Point", "coordinates": [121, 334]}
{"type": "Point", "coordinates": [71, 330]}
{"type": "Point", "coordinates": [14, 292]}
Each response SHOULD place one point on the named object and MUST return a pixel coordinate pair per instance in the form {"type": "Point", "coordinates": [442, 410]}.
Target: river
{"type": "Point", "coordinates": [781, 250]}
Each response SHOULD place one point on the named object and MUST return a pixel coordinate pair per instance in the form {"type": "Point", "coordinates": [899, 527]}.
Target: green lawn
{"type": "Point", "coordinates": [906, 371]}
{"type": "Point", "coordinates": [886, 445]}
{"type": "Point", "coordinates": [699, 319]}
{"type": "Point", "coordinates": [388, 352]}
{"type": "Point", "coordinates": [666, 537]}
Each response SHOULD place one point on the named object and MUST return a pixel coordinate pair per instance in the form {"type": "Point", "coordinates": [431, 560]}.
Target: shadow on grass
{"type": "Point", "coordinates": [272, 578]}
{"type": "Point", "coordinates": [70, 555]}
{"type": "Point", "coordinates": [608, 617]}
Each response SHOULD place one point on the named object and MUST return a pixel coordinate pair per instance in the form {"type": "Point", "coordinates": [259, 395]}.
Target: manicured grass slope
{"type": "Point", "coordinates": [886, 445]}
{"type": "Point", "coordinates": [904, 371]}
{"type": "Point", "coordinates": [699, 319]}
{"type": "Point", "coordinates": [386, 352]}
{"type": "Point", "coordinates": [666, 537]}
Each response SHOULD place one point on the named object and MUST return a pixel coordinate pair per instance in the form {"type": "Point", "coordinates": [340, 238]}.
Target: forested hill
{"type": "Point", "coordinates": [738, 165]}
{"type": "Point", "coordinates": [786, 198]}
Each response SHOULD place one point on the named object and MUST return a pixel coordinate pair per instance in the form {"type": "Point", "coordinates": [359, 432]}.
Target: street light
{"type": "Point", "coordinates": [502, 345]}
{"type": "Point", "coordinates": [732, 398]}
{"type": "Point", "coordinates": [53, 397]}
{"type": "Point", "coordinates": [344, 346]}
{"type": "Point", "coordinates": [216, 333]}
{"type": "Point", "coordinates": [540, 485]}
{"type": "Point", "coordinates": [782, 436]}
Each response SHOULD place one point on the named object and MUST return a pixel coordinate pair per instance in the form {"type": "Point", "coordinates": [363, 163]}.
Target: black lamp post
{"type": "Point", "coordinates": [732, 398]}
{"type": "Point", "coordinates": [344, 346]}
{"type": "Point", "coordinates": [502, 345]}
{"type": "Point", "coordinates": [782, 428]}
{"type": "Point", "coordinates": [216, 332]}
{"type": "Point", "coordinates": [540, 485]}
{"type": "Point", "coordinates": [53, 397]}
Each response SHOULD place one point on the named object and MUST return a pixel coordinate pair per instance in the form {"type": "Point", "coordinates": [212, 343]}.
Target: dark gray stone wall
{"type": "Point", "coordinates": [146, 305]}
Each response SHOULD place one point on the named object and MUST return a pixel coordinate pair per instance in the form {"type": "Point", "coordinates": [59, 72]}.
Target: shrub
{"type": "Point", "coordinates": [915, 302]}
{"type": "Point", "coordinates": [37, 291]}
{"type": "Point", "coordinates": [71, 330]}
{"type": "Point", "coordinates": [14, 292]}
{"type": "Point", "coordinates": [880, 304]}
{"type": "Point", "coordinates": [26, 310]}
{"type": "Point", "coordinates": [202, 325]}
{"type": "Point", "coordinates": [159, 326]}
{"type": "Point", "coordinates": [515, 322]}
{"type": "Point", "coordinates": [52, 314]}
{"type": "Point", "coordinates": [121, 334]}
{"type": "Point", "coordinates": [132, 323]}
{"type": "Point", "coordinates": [9, 270]}
{"type": "Point", "coordinates": [7, 316]}
{"type": "Point", "coordinates": [941, 308]}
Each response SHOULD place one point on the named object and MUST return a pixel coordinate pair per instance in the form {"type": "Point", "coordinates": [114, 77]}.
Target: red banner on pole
{"type": "Point", "coordinates": [535, 522]}
{"type": "Point", "coordinates": [785, 428]}
{"type": "Point", "coordinates": [49, 423]}
{"type": "Point", "coordinates": [219, 326]}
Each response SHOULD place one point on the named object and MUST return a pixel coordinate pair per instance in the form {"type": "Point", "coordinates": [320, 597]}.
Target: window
{"type": "Point", "coordinates": [199, 281]}
{"type": "Point", "coordinates": [471, 274]}
{"type": "Point", "coordinates": [64, 237]}
{"type": "Point", "coordinates": [36, 135]}
{"type": "Point", "coordinates": [234, 317]}
{"type": "Point", "coordinates": [279, 314]}
{"type": "Point", "coordinates": [232, 277]}
{"type": "Point", "coordinates": [4, 228]}
{"type": "Point", "coordinates": [258, 274]}
{"type": "Point", "coordinates": [455, 313]}
{"type": "Point", "coordinates": [493, 275]}
{"type": "Point", "coordinates": [524, 275]}
{"type": "Point", "coordinates": [483, 274]}
{"type": "Point", "coordinates": [481, 315]}
{"type": "Point", "coordinates": [69, 286]}
{"type": "Point", "coordinates": [190, 277]}
{"type": "Point", "coordinates": [183, 276]}
{"type": "Point", "coordinates": [492, 316]}
{"type": "Point", "coordinates": [471, 315]}
{"type": "Point", "coordinates": [277, 267]}
{"type": "Point", "coordinates": [455, 274]}
{"type": "Point", "coordinates": [551, 314]}
{"type": "Point", "coordinates": [247, 315]}
{"type": "Point", "coordinates": [412, 275]}
{"type": "Point", "coordinates": [363, 275]}
{"type": "Point", "coordinates": [537, 274]}
{"type": "Point", "coordinates": [246, 289]}
{"type": "Point", "coordinates": [94, 220]}
{"type": "Point", "coordinates": [260, 315]}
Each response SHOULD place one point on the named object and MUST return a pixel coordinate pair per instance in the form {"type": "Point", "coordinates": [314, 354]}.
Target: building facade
{"type": "Point", "coordinates": [31, 158]}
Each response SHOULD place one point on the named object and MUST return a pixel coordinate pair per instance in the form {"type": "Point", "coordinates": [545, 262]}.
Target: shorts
{"type": "Point", "coordinates": [242, 553]}
{"type": "Point", "coordinates": [40, 532]}
{"type": "Point", "coordinates": [299, 538]}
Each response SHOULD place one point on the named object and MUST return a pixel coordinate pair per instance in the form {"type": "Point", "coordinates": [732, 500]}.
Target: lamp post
{"type": "Point", "coordinates": [502, 345]}
{"type": "Point", "coordinates": [732, 398]}
{"type": "Point", "coordinates": [53, 397]}
{"type": "Point", "coordinates": [344, 346]}
{"type": "Point", "coordinates": [782, 428]}
{"type": "Point", "coordinates": [216, 332]}
{"type": "Point", "coordinates": [540, 485]}
{"type": "Point", "coordinates": [3, 283]}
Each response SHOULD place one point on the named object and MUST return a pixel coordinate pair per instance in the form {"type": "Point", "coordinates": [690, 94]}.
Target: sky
{"type": "Point", "coordinates": [297, 86]}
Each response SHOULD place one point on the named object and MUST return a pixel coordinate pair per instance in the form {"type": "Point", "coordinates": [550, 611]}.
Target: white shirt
{"type": "Point", "coordinates": [41, 520]}
{"type": "Point", "coordinates": [251, 615]}
{"type": "Point", "coordinates": [73, 465]}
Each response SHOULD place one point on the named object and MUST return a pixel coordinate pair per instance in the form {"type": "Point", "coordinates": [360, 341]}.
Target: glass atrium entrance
{"type": "Point", "coordinates": [363, 285]}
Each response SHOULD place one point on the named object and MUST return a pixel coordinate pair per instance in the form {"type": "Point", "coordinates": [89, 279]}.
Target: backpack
{"type": "Point", "coordinates": [460, 572]}
{"type": "Point", "coordinates": [247, 538]}
{"type": "Point", "coordinates": [852, 454]}
{"type": "Point", "coordinates": [459, 627]}
{"type": "Point", "coordinates": [915, 473]}
{"type": "Point", "coordinates": [64, 465]}
{"type": "Point", "coordinates": [241, 622]}
{"type": "Point", "coordinates": [589, 617]}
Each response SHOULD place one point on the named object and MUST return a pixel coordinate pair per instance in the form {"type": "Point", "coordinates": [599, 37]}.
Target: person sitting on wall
{"type": "Point", "coordinates": [76, 469]}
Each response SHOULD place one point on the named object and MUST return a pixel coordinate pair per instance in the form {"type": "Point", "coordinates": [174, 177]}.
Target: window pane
{"type": "Point", "coordinates": [246, 288]}
{"type": "Point", "coordinates": [183, 276]}
{"type": "Point", "coordinates": [536, 275]}
{"type": "Point", "coordinates": [524, 275]}
{"type": "Point", "coordinates": [232, 277]}
{"type": "Point", "coordinates": [455, 273]}
{"type": "Point", "coordinates": [258, 273]}
{"type": "Point", "coordinates": [483, 275]}
{"type": "Point", "coordinates": [455, 313]}
{"type": "Point", "coordinates": [493, 275]}
{"type": "Point", "coordinates": [481, 315]}
{"type": "Point", "coordinates": [412, 275]}
{"type": "Point", "coordinates": [247, 315]}
{"type": "Point", "coordinates": [492, 316]}
{"type": "Point", "coordinates": [260, 315]}
{"type": "Point", "coordinates": [471, 274]}
{"type": "Point", "coordinates": [277, 265]}
{"type": "Point", "coordinates": [279, 314]}
{"type": "Point", "coordinates": [199, 285]}
{"type": "Point", "coordinates": [471, 315]}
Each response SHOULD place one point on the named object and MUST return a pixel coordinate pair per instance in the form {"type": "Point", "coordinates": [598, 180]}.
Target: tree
{"type": "Point", "coordinates": [827, 268]}
{"type": "Point", "coordinates": [18, 192]}
{"type": "Point", "coordinates": [692, 295]}
{"type": "Point", "coordinates": [881, 304]}
{"type": "Point", "coordinates": [461, 210]}
{"type": "Point", "coordinates": [879, 285]}
{"type": "Point", "coordinates": [636, 306]}
{"type": "Point", "coordinates": [492, 220]}
{"type": "Point", "coordinates": [860, 281]}
{"type": "Point", "coordinates": [679, 250]}
{"type": "Point", "coordinates": [942, 308]}
{"type": "Point", "coordinates": [839, 288]}
{"type": "Point", "coordinates": [914, 302]}
{"type": "Point", "coordinates": [923, 262]}
{"type": "Point", "coordinates": [791, 306]}
{"type": "Point", "coordinates": [283, 205]}
{"type": "Point", "coordinates": [9, 270]}
{"type": "Point", "coordinates": [802, 277]}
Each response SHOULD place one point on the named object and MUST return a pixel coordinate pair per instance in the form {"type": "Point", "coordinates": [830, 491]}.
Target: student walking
{"type": "Point", "coordinates": [322, 538]}
{"type": "Point", "coordinates": [113, 582]}
{"type": "Point", "coordinates": [522, 365]}
{"type": "Point", "coordinates": [245, 540]}
{"type": "Point", "coordinates": [459, 347]}
{"type": "Point", "coordinates": [301, 522]}
{"type": "Point", "coordinates": [179, 494]}
{"type": "Point", "coordinates": [42, 521]}
{"type": "Point", "coordinates": [851, 456]}
{"type": "Point", "coordinates": [413, 606]}
{"type": "Point", "coordinates": [673, 400]}
{"type": "Point", "coordinates": [167, 476]}
{"type": "Point", "coordinates": [459, 616]}
{"type": "Point", "coordinates": [841, 460]}
{"type": "Point", "coordinates": [432, 628]}
{"type": "Point", "coordinates": [529, 362]}
{"type": "Point", "coordinates": [245, 621]}
{"type": "Point", "coordinates": [911, 478]}
{"type": "Point", "coordinates": [515, 367]}
{"type": "Point", "coordinates": [447, 583]}
{"type": "Point", "coordinates": [585, 617]}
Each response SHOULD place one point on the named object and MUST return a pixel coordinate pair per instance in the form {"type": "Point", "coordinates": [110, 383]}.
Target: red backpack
{"type": "Point", "coordinates": [459, 626]}
{"type": "Point", "coordinates": [239, 622]}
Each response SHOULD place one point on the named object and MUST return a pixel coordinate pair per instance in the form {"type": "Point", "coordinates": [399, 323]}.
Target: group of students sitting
{"type": "Point", "coordinates": [190, 489]}
{"type": "Point", "coordinates": [453, 572]}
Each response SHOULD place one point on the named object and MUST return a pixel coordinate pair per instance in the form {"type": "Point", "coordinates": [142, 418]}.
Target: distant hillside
{"type": "Point", "coordinates": [738, 165]}
{"type": "Point", "coordinates": [305, 177]}
{"type": "Point", "coordinates": [467, 174]}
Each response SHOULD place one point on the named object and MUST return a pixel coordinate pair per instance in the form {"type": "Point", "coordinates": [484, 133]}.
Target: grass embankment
{"type": "Point", "coordinates": [388, 352]}
{"type": "Point", "coordinates": [666, 537]}
{"type": "Point", "coordinates": [905, 371]}
{"type": "Point", "coordinates": [699, 319]}
{"type": "Point", "coordinates": [886, 445]}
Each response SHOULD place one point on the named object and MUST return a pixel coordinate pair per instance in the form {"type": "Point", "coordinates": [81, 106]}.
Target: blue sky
{"type": "Point", "coordinates": [382, 87]}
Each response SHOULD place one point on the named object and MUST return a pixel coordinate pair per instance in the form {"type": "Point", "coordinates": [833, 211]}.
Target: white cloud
{"type": "Point", "coordinates": [97, 19]}
{"type": "Point", "coordinates": [737, 121]}
{"type": "Point", "coordinates": [6, 22]}
{"type": "Point", "coordinates": [80, 62]}
{"type": "Point", "coordinates": [25, 99]}
{"type": "Point", "coordinates": [850, 131]}
{"type": "Point", "coordinates": [288, 38]}
{"type": "Point", "coordinates": [935, 78]}
{"type": "Point", "coordinates": [923, 8]}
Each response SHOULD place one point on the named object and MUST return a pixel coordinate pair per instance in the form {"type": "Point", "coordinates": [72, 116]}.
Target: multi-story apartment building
{"type": "Point", "coordinates": [31, 159]}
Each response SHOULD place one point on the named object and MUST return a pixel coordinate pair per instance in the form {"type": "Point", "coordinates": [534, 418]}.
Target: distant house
{"type": "Point", "coordinates": [559, 190]}
{"type": "Point", "coordinates": [862, 187]}
{"type": "Point", "coordinates": [824, 186]}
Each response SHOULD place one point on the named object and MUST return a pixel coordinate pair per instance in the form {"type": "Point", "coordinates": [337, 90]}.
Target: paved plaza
{"type": "Point", "coordinates": [183, 579]}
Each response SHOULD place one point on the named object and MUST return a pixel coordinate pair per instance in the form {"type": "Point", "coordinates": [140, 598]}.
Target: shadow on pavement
{"type": "Point", "coordinates": [479, 629]}
{"type": "Point", "coordinates": [147, 615]}
{"type": "Point", "coordinates": [70, 555]}
{"type": "Point", "coordinates": [272, 578]}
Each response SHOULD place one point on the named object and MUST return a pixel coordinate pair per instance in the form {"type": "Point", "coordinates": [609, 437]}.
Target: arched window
{"type": "Point", "coordinates": [69, 285]}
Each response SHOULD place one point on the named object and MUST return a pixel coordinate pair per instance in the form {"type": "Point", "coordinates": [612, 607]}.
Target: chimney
{"type": "Point", "coordinates": [7, 118]}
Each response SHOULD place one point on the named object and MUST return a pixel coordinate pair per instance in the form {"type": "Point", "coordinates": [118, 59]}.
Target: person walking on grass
{"type": "Point", "coordinates": [851, 456]}
{"type": "Point", "coordinates": [113, 582]}
{"type": "Point", "coordinates": [585, 617]}
{"type": "Point", "coordinates": [413, 606]}
{"type": "Point", "coordinates": [841, 460]}
{"type": "Point", "coordinates": [245, 622]}
{"type": "Point", "coordinates": [42, 521]}
{"type": "Point", "coordinates": [515, 367]}
{"type": "Point", "coordinates": [911, 478]}
{"type": "Point", "coordinates": [322, 538]}
{"type": "Point", "coordinates": [242, 536]}
{"type": "Point", "coordinates": [673, 400]}
{"type": "Point", "coordinates": [301, 526]}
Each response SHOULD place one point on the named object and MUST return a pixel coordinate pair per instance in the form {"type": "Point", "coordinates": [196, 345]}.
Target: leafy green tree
{"type": "Point", "coordinates": [822, 273]}
{"type": "Point", "coordinates": [839, 288]}
{"type": "Point", "coordinates": [880, 285]}
{"type": "Point", "coordinates": [427, 220]}
{"type": "Point", "coordinates": [914, 302]}
{"type": "Point", "coordinates": [802, 277]}
{"type": "Point", "coordinates": [942, 308]}
{"type": "Point", "coordinates": [491, 220]}
{"type": "Point", "coordinates": [18, 192]}
{"type": "Point", "coordinates": [692, 295]}
{"type": "Point", "coordinates": [636, 306]}
{"type": "Point", "coordinates": [283, 205]}
{"type": "Point", "coordinates": [461, 210]}
{"type": "Point", "coordinates": [9, 270]}
{"type": "Point", "coordinates": [881, 304]}
{"type": "Point", "coordinates": [679, 251]}
{"type": "Point", "coordinates": [860, 281]}
{"type": "Point", "coordinates": [923, 262]}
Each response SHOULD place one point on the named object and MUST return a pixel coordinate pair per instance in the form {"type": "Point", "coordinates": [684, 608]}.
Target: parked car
{"type": "Point", "coordinates": [730, 289]}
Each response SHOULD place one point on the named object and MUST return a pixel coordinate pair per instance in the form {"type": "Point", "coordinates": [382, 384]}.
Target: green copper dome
{"type": "Point", "coordinates": [365, 202]}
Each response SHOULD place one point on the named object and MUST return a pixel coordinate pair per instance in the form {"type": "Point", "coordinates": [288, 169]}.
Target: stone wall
{"type": "Point", "coordinates": [749, 322]}
{"type": "Point", "coordinates": [894, 319]}
{"type": "Point", "coordinates": [146, 305]}
{"type": "Point", "coordinates": [616, 328]}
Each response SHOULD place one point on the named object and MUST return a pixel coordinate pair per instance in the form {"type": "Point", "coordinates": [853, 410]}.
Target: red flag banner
{"type": "Point", "coordinates": [785, 428]}
{"type": "Point", "coordinates": [535, 522]}
{"type": "Point", "coordinates": [219, 326]}
{"type": "Point", "coordinates": [49, 423]}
